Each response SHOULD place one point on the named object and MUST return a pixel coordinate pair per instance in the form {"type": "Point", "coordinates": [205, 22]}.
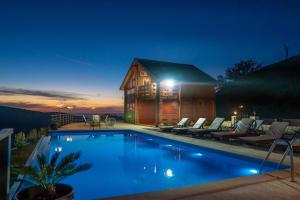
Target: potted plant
{"type": "Point", "coordinates": [46, 176]}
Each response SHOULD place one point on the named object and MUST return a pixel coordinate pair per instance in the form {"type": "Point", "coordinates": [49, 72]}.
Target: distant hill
{"type": "Point", "coordinates": [22, 120]}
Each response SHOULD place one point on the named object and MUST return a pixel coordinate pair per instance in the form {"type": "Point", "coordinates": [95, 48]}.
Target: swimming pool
{"type": "Point", "coordinates": [129, 162]}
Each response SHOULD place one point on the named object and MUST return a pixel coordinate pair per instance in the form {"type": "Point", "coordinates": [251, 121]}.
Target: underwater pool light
{"type": "Point", "coordinates": [254, 171]}
{"type": "Point", "coordinates": [198, 154]}
{"type": "Point", "coordinates": [169, 173]}
{"type": "Point", "coordinates": [58, 149]}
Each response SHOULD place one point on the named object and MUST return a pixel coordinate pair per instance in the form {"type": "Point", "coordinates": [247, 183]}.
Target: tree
{"type": "Point", "coordinates": [242, 69]}
{"type": "Point", "coordinates": [221, 81]}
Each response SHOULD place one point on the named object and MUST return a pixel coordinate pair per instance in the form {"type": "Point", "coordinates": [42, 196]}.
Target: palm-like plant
{"type": "Point", "coordinates": [47, 174]}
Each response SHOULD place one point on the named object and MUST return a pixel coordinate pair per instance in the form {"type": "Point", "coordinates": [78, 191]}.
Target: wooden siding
{"type": "Point", "coordinates": [146, 110]}
{"type": "Point", "coordinates": [193, 108]}
{"type": "Point", "coordinates": [169, 111]}
{"type": "Point", "coordinates": [184, 100]}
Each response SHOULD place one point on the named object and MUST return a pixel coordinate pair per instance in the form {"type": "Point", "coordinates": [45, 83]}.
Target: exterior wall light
{"type": "Point", "coordinates": [169, 83]}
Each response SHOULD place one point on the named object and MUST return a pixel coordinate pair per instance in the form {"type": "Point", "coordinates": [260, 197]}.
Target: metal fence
{"type": "Point", "coordinates": [61, 119]}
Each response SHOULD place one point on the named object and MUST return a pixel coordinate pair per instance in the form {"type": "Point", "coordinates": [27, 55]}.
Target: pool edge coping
{"type": "Point", "coordinates": [198, 189]}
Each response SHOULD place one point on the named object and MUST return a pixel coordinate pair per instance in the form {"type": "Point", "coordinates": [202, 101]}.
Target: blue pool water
{"type": "Point", "coordinates": [126, 162]}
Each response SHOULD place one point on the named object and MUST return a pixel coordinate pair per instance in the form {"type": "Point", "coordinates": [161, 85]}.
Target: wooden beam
{"type": "Point", "coordinates": [125, 103]}
{"type": "Point", "coordinates": [179, 102]}
{"type": "Point", "coordinates": [136, 113]}
{"type": "Point", "coordinates": [157, 102]}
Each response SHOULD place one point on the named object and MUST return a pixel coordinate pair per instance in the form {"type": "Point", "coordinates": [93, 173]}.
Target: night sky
{"type": "Point", "coordinates": [76, 53]}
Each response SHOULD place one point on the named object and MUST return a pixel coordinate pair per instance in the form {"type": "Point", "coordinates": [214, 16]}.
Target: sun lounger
{"type": "Point", "coordinates": [241, 130]}
{"type": "Point", "coordinates": [214, 126]}
{"type": "Point", "coordinates": [276, 131]}
{"type": "Point", "coordinates": [84, 119]}
{"type": "Point", "coordinates": [197, 126]}
{"type": "Point", "coordinates": [182, 123]}
{"type": "Point", "coordinates": [256, 127]}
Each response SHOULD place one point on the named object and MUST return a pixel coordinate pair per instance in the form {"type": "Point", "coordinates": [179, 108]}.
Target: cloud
{"type": "Point", "coordinates": [48, 94]}
{"type": "Point", "coordinates": [75, 110]}
{"type": "Point", "coordinates": [25, 105]}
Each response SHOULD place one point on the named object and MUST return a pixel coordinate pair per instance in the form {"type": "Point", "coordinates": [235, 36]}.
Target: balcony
{"type": "Point", "coordinates": [149, 92]}
{"type": "Point", "coordinates": [169, 93]}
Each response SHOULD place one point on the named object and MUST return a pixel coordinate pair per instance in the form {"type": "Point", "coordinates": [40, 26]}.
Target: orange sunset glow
{"type": "Point", "coordinates": [82, 104]}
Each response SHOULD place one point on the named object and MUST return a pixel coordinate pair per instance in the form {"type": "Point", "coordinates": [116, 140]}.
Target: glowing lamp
{"type": "Point", "coordinates": [69, 139]}
{"type": "Point", "coordinates": [254, 171]}
{"type": "Point", "coordinates": [198, 154]}
{"type": "Point", "coordinates": [169, 173]}
{"type": "Point", "coordinates": [58, 149]}
{"type": "Point", "coordinates": [169, 83]}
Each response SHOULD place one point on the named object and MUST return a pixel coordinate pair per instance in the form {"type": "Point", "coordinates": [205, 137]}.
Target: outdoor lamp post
{"type": "Point", "coordinates": [234, 119]}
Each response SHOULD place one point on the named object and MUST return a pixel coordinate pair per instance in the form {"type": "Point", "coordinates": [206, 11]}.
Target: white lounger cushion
{"type": "Point", "coordinates": [243, 126]}
{"type": "Point", "coordinates": [277, 129]}
{"type": "Point", "coordinates": [183, 121]}
{"type": "Point", "coordinates": [199, 123]}
{"type": "Point", "coordinates": [216, 124]}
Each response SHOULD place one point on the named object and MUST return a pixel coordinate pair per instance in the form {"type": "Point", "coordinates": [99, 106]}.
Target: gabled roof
{"type": "Point", "coordinates": [162, 70]}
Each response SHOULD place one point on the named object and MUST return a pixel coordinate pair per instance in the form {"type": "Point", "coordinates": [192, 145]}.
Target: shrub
{"type": "Point", "coordinates": [20, 140]}
{"type": "Point", "coordinates": [42, 132]}
{"type": "Point", "coordinates": [33, 135]}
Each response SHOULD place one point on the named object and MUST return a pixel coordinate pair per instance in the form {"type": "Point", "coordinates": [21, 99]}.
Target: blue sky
{"type": "Point", "coordinates": [86, 47]}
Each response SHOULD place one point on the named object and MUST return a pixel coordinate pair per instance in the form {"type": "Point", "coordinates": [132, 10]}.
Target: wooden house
{"type": "Point", "coordinates": [158, 92]}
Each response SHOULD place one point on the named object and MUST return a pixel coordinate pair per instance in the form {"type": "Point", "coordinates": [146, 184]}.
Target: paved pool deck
{"type": "Point", "coordinates": [274, 185]}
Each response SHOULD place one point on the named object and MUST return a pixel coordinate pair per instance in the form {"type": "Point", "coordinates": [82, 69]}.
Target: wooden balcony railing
{"type": "Point", "coordinates": [169, 93]}
{"type": "Point", "coordinates": [148, 91]}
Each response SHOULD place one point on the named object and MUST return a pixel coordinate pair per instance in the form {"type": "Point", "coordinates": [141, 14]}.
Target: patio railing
{"type": "Point", "coordinates": [61, 119]}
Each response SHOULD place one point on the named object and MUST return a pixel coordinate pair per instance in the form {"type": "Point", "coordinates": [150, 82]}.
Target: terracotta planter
{"type": "Point", "coordinates": [63, 191]}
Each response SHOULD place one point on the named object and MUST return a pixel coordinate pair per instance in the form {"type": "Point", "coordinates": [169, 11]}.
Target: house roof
{"type": "Point", "coordinates": [287, 67]}
{"type": "Point", "coordinates": [162, 70]}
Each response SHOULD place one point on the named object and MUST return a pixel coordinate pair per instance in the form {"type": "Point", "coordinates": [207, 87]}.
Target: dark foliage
{"type": "Point", "coordinates": [242, 69]}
